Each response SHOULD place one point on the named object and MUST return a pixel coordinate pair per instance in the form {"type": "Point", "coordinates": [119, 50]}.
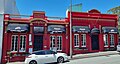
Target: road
{"type": "Point", "coordinates": [112, 59]}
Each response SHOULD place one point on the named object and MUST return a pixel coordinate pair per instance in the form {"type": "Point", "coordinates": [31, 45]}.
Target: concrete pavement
{"type": "Point", "coordinates": [81, 56]}
{"type": "Point", "coordinates": [110, 59]}
{"type": "Point", "coordinates": [96, 54]}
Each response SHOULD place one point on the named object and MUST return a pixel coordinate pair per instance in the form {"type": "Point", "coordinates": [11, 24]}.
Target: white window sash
{"type": "Point", "coordinates": [23, 39]}
{"type": "Point", "coordinates": [84, 40]}
{"type": "Point", "coordinates": [52, 42]}
{"type": "Point", "coordinates": [105, 36]}
{"type": "Point", "coordinates": [111, 40]}
{"type": "Point", "coordinates": [14, 40]}
{"type": "Point", "coordinates": [59, 43]}
{"type": "Point", "coordinates": [76, 41]}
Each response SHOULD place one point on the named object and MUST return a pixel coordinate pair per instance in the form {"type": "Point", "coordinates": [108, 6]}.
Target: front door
{"type": "Point", "coordinates": [95, 42]}
{"type": "Point", "coordinates": [38, 42]}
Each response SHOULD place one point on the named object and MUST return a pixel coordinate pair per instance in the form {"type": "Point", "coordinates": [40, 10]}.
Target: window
{"type": "Point", "coordinates": [83, 40]}
{"type": "Point", "coordinates": [52, 42]}
{"type": "Point", "coordinates": [59, 43]}
{"type": "Point", "coordinates": [22, 43]}
{"type": "Point", "coordinates": [50, 52]}
{"type": "Point", "coordinates": [18, 45]}
{"type": "Point", "coordinates": [76, 40]}
{"type": "Point", "coordinates": [105, 36]}
{"type": "Point", "coordinates": [39, 53]}
{"type": "Point", "coordinates": [56, 43]}
{"type": "Point", "coordinates": [111, 40]}
{"type": "Point", "coordinates": [14, 43]}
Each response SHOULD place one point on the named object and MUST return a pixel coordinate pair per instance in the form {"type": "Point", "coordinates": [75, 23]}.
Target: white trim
{"type": "Point", "coordinates": [59, 43]}
{"type": "Point", "coordinates": [106, 46]}
{"type": "Point", "coordinates": [84, 40]}
{"type": "Point", "coordinates": [105, 39]}
{"type": "Point", "coordinates": [51, 41]}
{"type": "Point", "coordinates": [112, 46]}
{"type": "Point", "coordinates": [14, 43]}
{"type": "Point", "coordinates": [112, 40]}
{"type": "Point", "coordinates": [22, 43]}
{"type": "Point", "coordinates": [30, 37]}
{"type": "Point", "coordinates": [76, 41]}
{"type": "Point", "coordinates": [83, 46]}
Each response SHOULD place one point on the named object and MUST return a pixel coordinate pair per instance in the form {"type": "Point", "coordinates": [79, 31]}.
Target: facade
{"type": "Point", "coordinates": [91, 32]}
{"type": "Point", "coordinates": [6, 7]}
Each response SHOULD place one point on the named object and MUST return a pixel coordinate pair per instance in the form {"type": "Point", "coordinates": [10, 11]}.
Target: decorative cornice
{"type": "Point", "coordinates": [32, 20]}
{"type": "Point", "coordinates": [93, 19]}
{"type": "Point", "coordinates": [56, 23]}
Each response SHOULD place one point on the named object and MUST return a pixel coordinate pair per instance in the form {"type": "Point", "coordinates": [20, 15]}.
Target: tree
{"type": "Point", "coordinates": [116, 10]}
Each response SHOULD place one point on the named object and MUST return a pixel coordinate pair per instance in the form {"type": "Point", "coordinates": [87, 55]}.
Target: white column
{"type": "Point", "coordinates": [1, 26]}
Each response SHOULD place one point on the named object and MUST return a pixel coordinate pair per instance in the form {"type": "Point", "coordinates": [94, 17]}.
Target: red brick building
{"type": "Point", "coordinates": [91, 32]}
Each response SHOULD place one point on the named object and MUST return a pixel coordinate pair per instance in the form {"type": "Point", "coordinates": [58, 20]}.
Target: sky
{"type": "Point", "coordinates": [58, 7]}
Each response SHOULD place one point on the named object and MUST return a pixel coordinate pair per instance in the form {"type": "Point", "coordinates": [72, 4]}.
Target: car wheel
{"type": "Point", "coordinates": [60, 60]}
{"type": "Point", "coordinates": [33, 62]}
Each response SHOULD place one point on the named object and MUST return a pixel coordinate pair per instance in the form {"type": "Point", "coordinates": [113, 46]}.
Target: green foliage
{"type": "Point", "coordinates": [115, 10]}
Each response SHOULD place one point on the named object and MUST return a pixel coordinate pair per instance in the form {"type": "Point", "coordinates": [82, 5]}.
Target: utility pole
{"type": "Point", "coordinates": [70, 28]}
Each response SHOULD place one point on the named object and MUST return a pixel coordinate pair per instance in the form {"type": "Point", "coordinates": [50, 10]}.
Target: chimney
{"type": "Point", "coordinates": [38, 14]}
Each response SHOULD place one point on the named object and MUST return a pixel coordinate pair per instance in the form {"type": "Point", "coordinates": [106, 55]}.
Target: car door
{"type": "Point", "coordinates": [50, 56]}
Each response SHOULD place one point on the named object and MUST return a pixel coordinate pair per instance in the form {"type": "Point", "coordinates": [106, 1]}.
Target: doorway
{"type": "Point", "coordinates": [95, 42]}
{"type": "Point", "coordinates": [38, 42]}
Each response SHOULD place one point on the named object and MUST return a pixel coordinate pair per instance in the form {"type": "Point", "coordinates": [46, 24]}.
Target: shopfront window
{"type": "Point", "coordinates": [76, 40]}
{"type": "Point", "coordinates": [56, 43]}
{"type": "Point", "coordinates": [111, 40]}
{"type": "Point", "coordinates": [14, 43]}
{"type": "Point", "coordinates": [22, 43]}
{"type": "Point", "coordinates": [59, 43]}
{"type": "Point", "coordinates": [83, 40]}
{"type": "Point", "coordinates": [18, 43]}
{"type": "Point", "coordinates": [52, 42]}
{"type": "Point", "coordinates": [105, 36]}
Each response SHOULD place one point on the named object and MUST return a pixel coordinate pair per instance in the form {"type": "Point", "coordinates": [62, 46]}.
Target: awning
{"type": "Point", "coordinates": [38, 29]}
{"type": "Point", "coordinates": [109, 30]}
{"type": "Point", "coordinates": [95, 30]}
{"type": "Point", "coordinates": [56, 28]}
{"type": "Point", "coordinates": [83, 29]}
{"type": "Point", "coordinates": [18, 28]}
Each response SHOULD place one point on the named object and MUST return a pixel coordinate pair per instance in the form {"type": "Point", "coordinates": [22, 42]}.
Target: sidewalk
{"type": "Point", "coordinates": [81, 56]}
{"type": "Point", "coordinates": [88, 55]}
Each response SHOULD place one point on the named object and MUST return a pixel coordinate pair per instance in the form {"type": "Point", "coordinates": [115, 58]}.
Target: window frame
{"type": "Point", "coordinates": [76, 41]}
{"type": "Point", "coordinates": [112, 43]}
{"type": "Point", "coordinates": [14, 43]}
{"type": "Point", "coordinates": [83, 43]}
{"type": "Point", "coordinates": [105, 39]}
{"type": "Point", "coordinates": [52, 41]}
{"type": "Point", "coordinates": [22, 43]}
{"type": "Point", "coordinates": [59, 43]}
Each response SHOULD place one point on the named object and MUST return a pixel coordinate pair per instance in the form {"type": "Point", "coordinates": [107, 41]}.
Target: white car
{"type": "Point", "coordinates": [118, 47]}
{"type": "Point", "coordinates": [46, 56]}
